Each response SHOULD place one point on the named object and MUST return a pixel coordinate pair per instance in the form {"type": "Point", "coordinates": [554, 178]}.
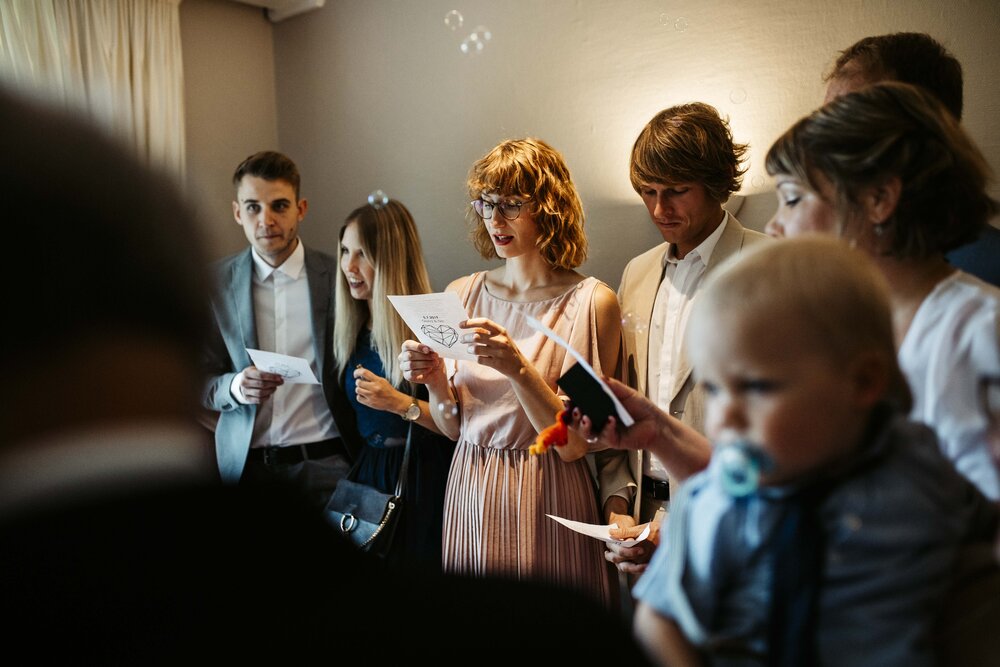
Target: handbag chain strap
{"type": "Point", "coordinates": [401, 479]}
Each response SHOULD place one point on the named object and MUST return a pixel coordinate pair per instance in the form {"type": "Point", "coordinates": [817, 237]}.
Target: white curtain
{"type": "Point", "coordinates": [118, 61]}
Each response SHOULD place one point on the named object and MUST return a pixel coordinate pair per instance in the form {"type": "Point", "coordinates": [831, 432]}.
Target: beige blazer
{"type": "Point", "coordinates": [637, 292]}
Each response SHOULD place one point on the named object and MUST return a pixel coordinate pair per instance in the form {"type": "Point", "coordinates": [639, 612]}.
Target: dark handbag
{"type": "Point", "coordinates": [366, 516]}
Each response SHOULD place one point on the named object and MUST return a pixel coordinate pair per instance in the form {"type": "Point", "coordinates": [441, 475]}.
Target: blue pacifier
{"type": "Point", "coordinates": [740, 464]}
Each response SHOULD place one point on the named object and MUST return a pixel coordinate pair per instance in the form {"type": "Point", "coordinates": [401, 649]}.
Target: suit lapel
{"type": "Point", "coordinates": [644, 300]}
{"type": "Point", "coordinates": [320, 293]}
{"type": "Point", "coordinates": [241, 293]}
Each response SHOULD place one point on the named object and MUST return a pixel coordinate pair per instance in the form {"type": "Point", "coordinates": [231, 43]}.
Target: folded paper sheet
{"type": "Point", "coordinates": [599, 532]}
{"type": "Point", "coordinates": [295, 370]}
{"type": "Point", "coordinates": [434, 318]}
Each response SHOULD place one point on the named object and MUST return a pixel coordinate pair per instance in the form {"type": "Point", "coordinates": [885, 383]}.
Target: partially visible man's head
{"type": "Point", "coordinates": [103, 250]}
{"type": "Point", "coordinates": [911, 57]}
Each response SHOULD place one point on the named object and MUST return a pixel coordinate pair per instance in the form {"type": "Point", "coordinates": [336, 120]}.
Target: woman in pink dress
{"type": "Point", "coordinates": [526, 212]}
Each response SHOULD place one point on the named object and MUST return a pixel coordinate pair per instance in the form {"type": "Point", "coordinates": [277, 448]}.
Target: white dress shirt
{"type": "Point", "coordinates": [296, 413]}
{"type": "Point", "coordinates": [682, 278]}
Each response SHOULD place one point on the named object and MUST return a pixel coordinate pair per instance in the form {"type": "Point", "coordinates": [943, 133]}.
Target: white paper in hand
{"type": "Point", "coordinates": [600, 532]}
{"type": "Point", "coordinates": [434, 318]}
{"type": "Point", "coordinates": [295, 370]}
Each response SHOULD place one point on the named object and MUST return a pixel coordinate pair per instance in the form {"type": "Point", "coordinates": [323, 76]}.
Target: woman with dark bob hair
{"type": "Point", "coordinates": [890, 171]}
{"type": "Point", "coordinates": [526, 212]}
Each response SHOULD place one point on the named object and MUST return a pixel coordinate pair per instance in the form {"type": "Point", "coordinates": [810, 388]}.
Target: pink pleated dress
{"type": "Point", "coordinates": [498, 495]}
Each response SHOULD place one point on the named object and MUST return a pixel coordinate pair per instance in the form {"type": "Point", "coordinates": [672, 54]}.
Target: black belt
{"type": "Point", "coordinates": [292, 454]}
{"type": "Point", "coordinates": [655, 488]}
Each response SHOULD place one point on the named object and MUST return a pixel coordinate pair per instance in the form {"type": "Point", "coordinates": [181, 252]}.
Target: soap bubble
{"type": "Point", "coordinates": [448, 408]}
{"type": "Point", "coordinates": [738, 96]}
{"type": "Point", "coordinates": [482, 33]}
{"type": "Point", "coordinates": [757, 181]}
{"type": "Point", "coordinates": [378, 199]}
{"type": "Point", "coordinates": [634, 323]}
{"type": "Point", "coordinates": [681, 24]}
{"type": "Point", "coordinates": [453, 19]}
{"type": "Point", "coordinates": [471, 44]}
{"type": "Point", "coordinates": [664, 19]}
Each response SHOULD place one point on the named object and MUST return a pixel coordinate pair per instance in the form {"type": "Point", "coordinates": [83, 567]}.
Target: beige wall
{"type": "Point", "coordinates": [231, 108]}
{"type": "Point", "coordinates": [376, 94]}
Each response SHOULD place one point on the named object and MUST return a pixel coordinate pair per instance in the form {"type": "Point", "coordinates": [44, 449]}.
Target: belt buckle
{"type": "Point", "coordinates": [270, 457]}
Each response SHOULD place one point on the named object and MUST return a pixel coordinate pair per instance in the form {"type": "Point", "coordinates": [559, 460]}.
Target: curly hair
{"type": "Point", "coordinates": [532, 169]}
{"type": "Point", "coordinates": [888, 130]}
{"type": "Point", "coordinates": [688, 143]}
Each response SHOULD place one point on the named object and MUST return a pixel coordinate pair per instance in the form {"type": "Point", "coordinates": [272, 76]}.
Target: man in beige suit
{"type": "Point", "coordinates": [684, 166]}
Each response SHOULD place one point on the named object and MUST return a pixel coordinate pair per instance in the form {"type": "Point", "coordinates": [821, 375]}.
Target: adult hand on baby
{"type": "Point", "coordinates": [491, 344]}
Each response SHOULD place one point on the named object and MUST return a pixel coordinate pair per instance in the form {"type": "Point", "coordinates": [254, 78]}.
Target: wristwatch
{"type": "Point", "coordinates": [412, 413]}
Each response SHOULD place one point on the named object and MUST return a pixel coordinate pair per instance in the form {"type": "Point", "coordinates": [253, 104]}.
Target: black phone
{"type": "Point", "coordinates": [588, 395]}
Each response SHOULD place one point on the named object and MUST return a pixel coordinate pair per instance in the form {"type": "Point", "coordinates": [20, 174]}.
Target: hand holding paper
{"type": "Point", "coordinates": [600, 532]}
{"type": "Point", "coordinates": [295, 370]}
{"type": "Point", "coordinates": [434, 318]}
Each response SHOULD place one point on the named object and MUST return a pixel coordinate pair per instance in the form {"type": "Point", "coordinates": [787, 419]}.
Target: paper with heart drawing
{"type": "Point", "coordinates": [434, 318]}
{"type": "Point", "coordinates": [295, 370]}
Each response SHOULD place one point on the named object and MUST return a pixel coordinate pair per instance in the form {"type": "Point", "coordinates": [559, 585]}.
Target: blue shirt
{"type": "Point", "coordinates": [891, 531]}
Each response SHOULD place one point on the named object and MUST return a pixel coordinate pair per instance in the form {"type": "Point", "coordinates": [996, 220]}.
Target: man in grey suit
{"type": "Point", "coordinates": [276, 296]}
{"type": "Point", "coordinates": [684, 166]}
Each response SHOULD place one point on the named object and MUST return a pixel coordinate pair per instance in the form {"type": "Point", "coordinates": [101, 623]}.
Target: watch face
{"type": "Point", "coordinates": [412, 413]}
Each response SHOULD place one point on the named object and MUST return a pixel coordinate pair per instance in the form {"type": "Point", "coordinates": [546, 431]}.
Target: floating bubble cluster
{"type": "Point", "coordinates": [453, 19]}
{"type": "Point", "coordinates": [681, 24]}
{"type": "Point", "coordinates": [378, 199]}
{"type": "Point", "coordinates": [476, 41]}
{"type": "Point", "coordinates": [473, 43]}
{"type": "Point", "coordinates": [481, 33]}
{"type": "Point", "coordinates": [449, 409]}
{"type": "Point", "coordinates": [470, 46]}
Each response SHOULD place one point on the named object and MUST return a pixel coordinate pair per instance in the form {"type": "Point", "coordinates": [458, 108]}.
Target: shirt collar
{"type": "Point", "coordinates": [704, 250]}
{"type": "Point", "coordinates": [291, 267]}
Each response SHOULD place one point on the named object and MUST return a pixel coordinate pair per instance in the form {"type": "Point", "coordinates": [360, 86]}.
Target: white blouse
{"type": "Point", "coordinates": [953, 342]}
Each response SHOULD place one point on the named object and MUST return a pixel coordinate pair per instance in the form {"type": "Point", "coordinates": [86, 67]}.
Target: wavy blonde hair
{"type": "Point", "coordinates": [391, 243]}
{"type": "Point", "coordinates": [534, 170]}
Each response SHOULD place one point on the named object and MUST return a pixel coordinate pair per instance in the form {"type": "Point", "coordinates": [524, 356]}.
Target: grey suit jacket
{"type": "Point", "coordinates": [637, 292]}
{"type": "Point", "coordinates": [235, 330]}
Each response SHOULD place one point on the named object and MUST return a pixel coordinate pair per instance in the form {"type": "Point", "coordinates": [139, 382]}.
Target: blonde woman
{"type": "Point", "coordinates": [380, 254]}
{"type": "Point", "coordinates": [527, 213]}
